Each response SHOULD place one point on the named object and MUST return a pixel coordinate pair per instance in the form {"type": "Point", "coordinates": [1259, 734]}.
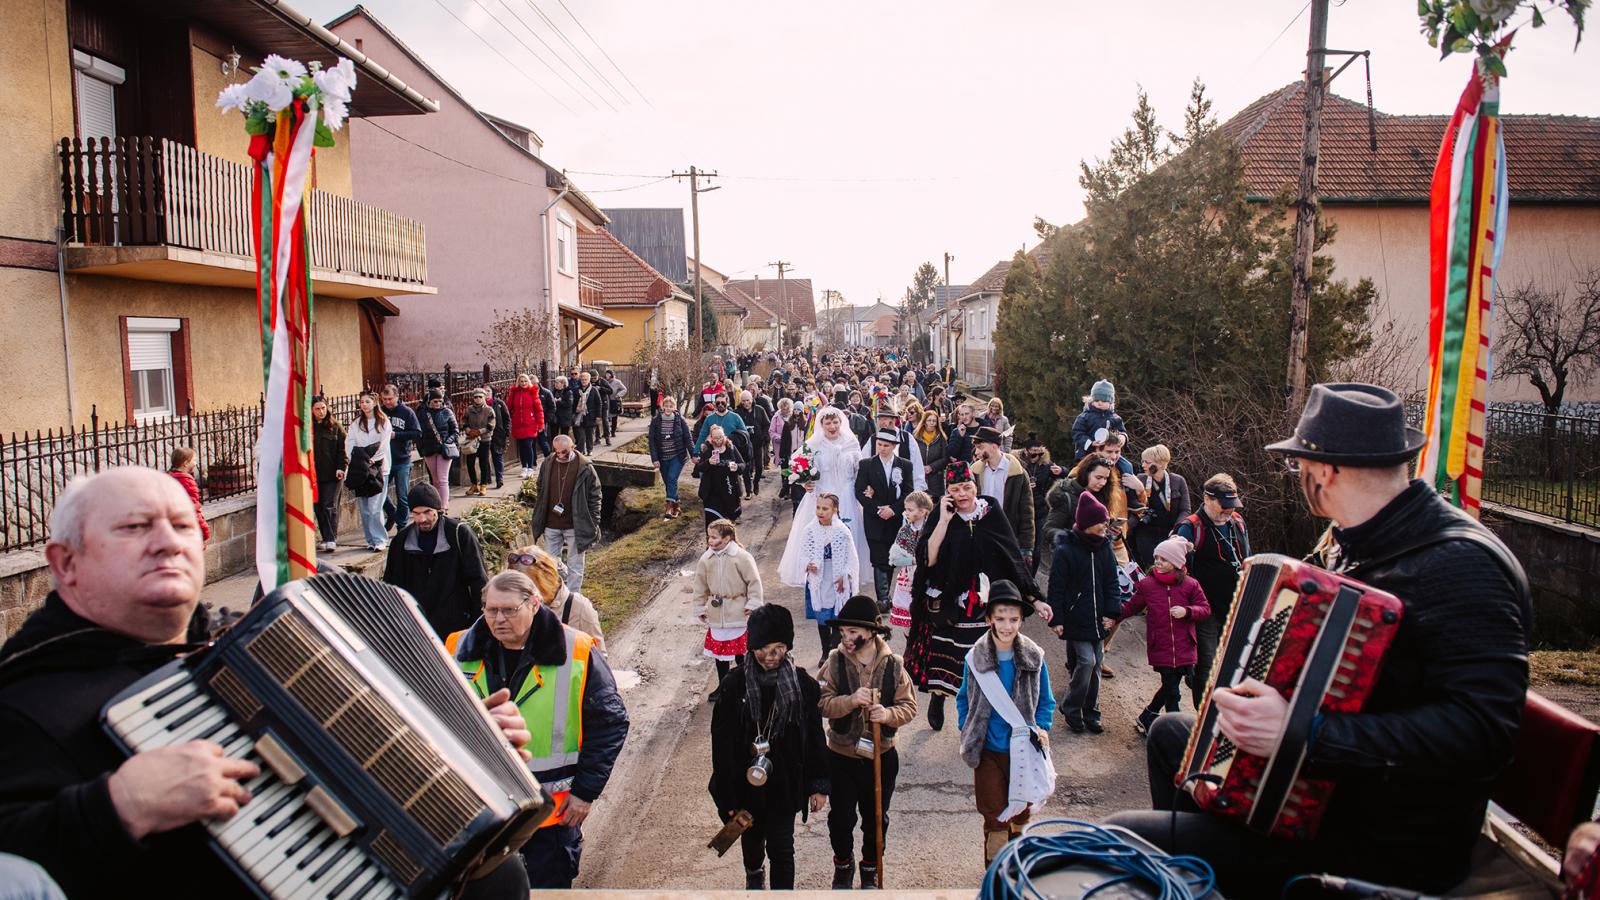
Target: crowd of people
{"type": "Point", "coordinates": [916, 509]}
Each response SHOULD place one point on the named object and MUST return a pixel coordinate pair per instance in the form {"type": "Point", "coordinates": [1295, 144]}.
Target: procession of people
{"type": "Point", "coordinates": [912, 516]}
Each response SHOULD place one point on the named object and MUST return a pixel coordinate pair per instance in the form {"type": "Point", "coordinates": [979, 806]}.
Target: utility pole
{"type": "Point", "coordinates": [1305, 218]}
{"type": "Point", "coordinates": [948, 299]}
{"type": "Point", "coordinates": [783, 300]}
{"type": "Point", "coordinates": [694, 175]}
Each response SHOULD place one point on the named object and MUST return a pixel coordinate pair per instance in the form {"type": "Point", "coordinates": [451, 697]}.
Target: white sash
{"type": "Point", "coordinates": [1033, 773]}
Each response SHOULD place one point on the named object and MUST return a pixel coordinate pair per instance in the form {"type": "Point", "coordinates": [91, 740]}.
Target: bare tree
{"type": "Point", "coordinates": [519, 339]}
{"type": "Point", "coordinates": [676, 368]}
{"type": "Point", "coordinates": [1550, 336]}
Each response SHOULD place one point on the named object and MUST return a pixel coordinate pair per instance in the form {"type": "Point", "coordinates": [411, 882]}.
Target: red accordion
{"type": "Point", "coordinates": [1318, 639]}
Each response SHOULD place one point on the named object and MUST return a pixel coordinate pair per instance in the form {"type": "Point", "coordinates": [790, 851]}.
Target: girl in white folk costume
{"type": "Point", "coordinates": [837, 453]}
{"type": "Point", "coordinates": [826, 556]}
{"type": "Point", "coordinates": [727, 588]}
{"type": "Point", "coordinates": [903, 556]}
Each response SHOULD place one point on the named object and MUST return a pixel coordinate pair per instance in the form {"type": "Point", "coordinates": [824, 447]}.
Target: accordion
{"type": "Point", "coordinates": [1317, 638]}
{"type": "Point", "coordinates": [382, 775]}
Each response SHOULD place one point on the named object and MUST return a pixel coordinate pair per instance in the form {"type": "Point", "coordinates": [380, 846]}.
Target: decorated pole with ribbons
{"type": "Point", "coordinates": [1469, 203]}
{"type": "Point", "coordinates": [289, 111]}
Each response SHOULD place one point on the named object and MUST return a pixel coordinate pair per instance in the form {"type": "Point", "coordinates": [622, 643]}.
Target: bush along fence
{"type": "Point", "coordinates": [1540, 462]}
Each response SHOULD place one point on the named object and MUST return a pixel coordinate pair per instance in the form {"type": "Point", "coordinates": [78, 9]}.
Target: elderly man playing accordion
{"type": "Point", "coordinates": [1412, 771]}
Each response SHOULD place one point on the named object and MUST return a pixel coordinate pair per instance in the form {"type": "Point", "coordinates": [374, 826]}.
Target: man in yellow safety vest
{"type": "Point", "coordinates": [568, 699]}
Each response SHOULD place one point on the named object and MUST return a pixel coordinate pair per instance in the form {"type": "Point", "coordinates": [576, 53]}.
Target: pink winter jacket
{"type": "Point", "coordinates": [1171, 642]}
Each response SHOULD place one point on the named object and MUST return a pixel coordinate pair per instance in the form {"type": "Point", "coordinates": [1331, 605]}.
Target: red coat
{"type": "Point", "coordinates": [527, 413]}
{"type": "Point", "coordinates": [1170, 642]}
{"type": "Point", "coordinates": [193, 490]}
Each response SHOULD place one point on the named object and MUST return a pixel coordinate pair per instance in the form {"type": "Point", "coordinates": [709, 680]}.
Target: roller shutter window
{"type": "Point", "coordinates": [97, 104]}
{"type": "Point", "coordinates": [150, 367]}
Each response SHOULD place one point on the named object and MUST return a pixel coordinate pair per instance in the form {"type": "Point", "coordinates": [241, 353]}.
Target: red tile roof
{"type": "Point", "coordinates": [990, 282]}
{"type": "Point", "coordinates": [627, 279]}
{"type": "Point", "coordinates": [764, 311]}
{"type": "Point", "coordinates": [886, 326]}
{"type": "Point", "coordinates": [802, 304]}
{"type": "Point", "coordinates": [1551, 159]}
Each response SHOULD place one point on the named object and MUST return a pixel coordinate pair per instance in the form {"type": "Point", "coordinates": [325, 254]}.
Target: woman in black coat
{"type": "Point", "coordinates": [718, 471]}
{"type": "Point", "coordinates": [1168, 504]}
{"type": "Point", "coordinates": [930, 438]}
{"type": "Point", "coordinates": [327, 453]}
{"type": "Point", "coordinates": [768, 696]}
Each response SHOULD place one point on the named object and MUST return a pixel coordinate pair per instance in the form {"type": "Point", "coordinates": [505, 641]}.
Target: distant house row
{"type": "Point", "coordinates": [1379, 203]}
{"type": "Point", "coordinates": [125, 253]}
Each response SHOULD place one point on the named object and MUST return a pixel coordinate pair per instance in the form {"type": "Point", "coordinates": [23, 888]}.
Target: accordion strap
{"type": "Point", "coordinates": [1497, 551]}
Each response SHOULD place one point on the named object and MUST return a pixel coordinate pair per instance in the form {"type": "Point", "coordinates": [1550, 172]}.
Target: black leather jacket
{"type": "Point", "coordinates": [1415, 767]}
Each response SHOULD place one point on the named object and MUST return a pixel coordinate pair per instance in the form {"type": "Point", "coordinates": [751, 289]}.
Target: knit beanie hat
{"type": "Point", "coordinates": [1090, 512]}
{"type": "Point", "coordinates": [770, 623]}
{"type": "Point", "coordinates": [1103, 390]}
{"type": "Point", "coordinates": [1174, 550]}
{"type": "Point", "coordinates": [423, 494]}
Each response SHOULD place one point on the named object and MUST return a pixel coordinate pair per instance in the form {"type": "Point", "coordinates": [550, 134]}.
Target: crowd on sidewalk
{"type": "Point", "coordinates": [917, 509]}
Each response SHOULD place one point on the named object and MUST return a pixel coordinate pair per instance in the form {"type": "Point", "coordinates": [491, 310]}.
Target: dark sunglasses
{"type": "Point", "coordinates": [520, 559]}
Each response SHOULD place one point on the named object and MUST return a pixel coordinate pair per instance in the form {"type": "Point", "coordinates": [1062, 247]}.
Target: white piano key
{"type": "Point", "coordinates": [267, 865]}
{"type": "Point", "coordinates": [298, 884]}
{"type": "Point", "coordinates": [233, 830]}
{"type": "Point", "coordinates": [336, 860]}
{"type": "Point", "coordinates": [142, 715]}
{"type": "Point", "coordinates": [291, 851]}
{"type": "Point", "coordinates": [191, 729]}
{"type": "Point", "coordinates": [152, 733]}
{"type": "Point", "coordinates": [134, 706]}
{"type": "Point", "coordinates": [256, 859]}
{"type": "Point", "coordinates": [341, 885]}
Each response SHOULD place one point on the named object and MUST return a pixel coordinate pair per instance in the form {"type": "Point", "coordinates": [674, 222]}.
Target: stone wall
{"type": "Point", "coordinates": [25, 577]}
{"type": "Point", "coordinates": [1563, 565]}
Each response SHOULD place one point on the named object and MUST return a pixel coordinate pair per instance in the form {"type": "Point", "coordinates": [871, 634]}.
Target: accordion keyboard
{"type": "Point", "coordinates": [280, 837]}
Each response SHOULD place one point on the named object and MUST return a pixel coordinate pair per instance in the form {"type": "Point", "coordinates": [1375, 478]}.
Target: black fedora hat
{"type": "Point", "coordinates": [1004, 591]}
{"type": "Point", "coordinates": [860, 611]}
{"type": "Point", "coordinates": [1352, 424]}
{"type": "Point", "coordinates": [986, 435]}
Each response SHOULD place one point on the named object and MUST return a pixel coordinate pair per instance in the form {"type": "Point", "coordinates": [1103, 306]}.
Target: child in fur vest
{"type": "Point", "coordinates": [1175, 603]}
{"type": "Point", "coordinates": [986, 736]}
{"type": "Point", "coordinates": [727, 588]}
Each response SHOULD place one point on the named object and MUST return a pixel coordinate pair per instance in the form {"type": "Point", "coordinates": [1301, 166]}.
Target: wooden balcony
{"type": "Point", "coordinates": [157, 210]}
{"type": "Point", "coordinates": [591, 292]}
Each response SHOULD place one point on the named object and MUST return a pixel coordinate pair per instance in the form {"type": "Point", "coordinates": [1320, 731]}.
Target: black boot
{"type": "Point", "coordinates": [869, 877]}
{"type": "Point", "coordinates": [755, 879]}
{"type": "Point", "coordinates": [842, 873]}
{"type": "Point", "coordinates": [936, 712]}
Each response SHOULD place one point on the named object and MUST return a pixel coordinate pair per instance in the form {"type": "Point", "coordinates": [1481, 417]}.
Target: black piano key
{"type": "Point", "coordinates": [306, 838]}
{"type": "Point", "coordinates": [333, 860]}
{"type": "Point", "coordinates": [179, 722]}
{"type": "Point", "coordinates": [321, 848]}
{"type": "Point", "coordinates": [375, 883]}
{"type": "Point", "coordinates": [166, 692]}
{"type": "Point", "coordinates": [284, 823]}
{"type": "Point", "coordinates": [276, 807]}
{"type": "Point", "coordinates": [206, 735]}
{"type": "Point", "coordinates": [348, 880]}
{"type": "Point", "coordinates": [167, 710]}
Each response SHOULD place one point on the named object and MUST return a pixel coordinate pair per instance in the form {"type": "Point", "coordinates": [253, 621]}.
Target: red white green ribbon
{"type": "Point", "coordinates": [1469, 204]}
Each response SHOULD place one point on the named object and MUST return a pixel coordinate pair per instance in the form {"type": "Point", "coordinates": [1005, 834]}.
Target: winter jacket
{"type": "Point", "coordinates": [577, 611]}
{"type": "Point", "coordinates": [365, 477]}
{"type": "Point", "coordinates": [547, 400]}
{"type": "Point", "coordinates": [1214, 562]}
{"type": "Point", "coordinates": [1170, 643]}
{"type": "Point", "coordinates": [1087, 423]}
{"type": "Point", "coordinates": [376, 437]}
{"type": "Point", "coordinates": [680, 431]}
{"type": "Point", "coordinates": [479, 422]}
{"type": "Point", "coordinates": [502, 428]}
{"type": "Point", "coordinates": [1414, 769]}
{"type": "Point", "coordinates": [799, 754]}
{"type": "Point", "coordinates": [732, 576]}
{"type": "Point", "coordinates": [56, 674]}
{"type": "Point", "coordinates": [566, 407]}
{"type": "Point", "coordinates": [591, 403]}
{"type": "Point", "coordinates": [934, 456]}
{"type": "Point", "coordinates": [603, 717]}
{"type": "Point", "coordinates": [730, 421]}
{"type": "Point", "coordinates": [327, 448]}
{"type": "Point", "coordinates": [720, 487]}
{"type": "Point", "coordinates": [1016, 498]}
{"type": "Point", "coordinates": [527, 411]}
{"type": "Point", "coordinates": [447, 583]}
{"type": "Point", "coordinates": [1063, 501]}
{"type": "Point", "coordinates": [841, 675]}
{"type": "Point", "coordinates": [757, 421]}
{"type": "Point", "coordinates": [584, 506]}
{"type": "Point", "coordinates": [1168, 510]}
{"type": "Point", "coordinates": [405, 430]}
{"type": "Point", "coordinates": [438, 430]}
{"type": "Point", "coordinates": [192, 488]}
{"type": "Point", "coordinates": [958, 444]}
{"type": "Point", "coordinates": [1083, 586]}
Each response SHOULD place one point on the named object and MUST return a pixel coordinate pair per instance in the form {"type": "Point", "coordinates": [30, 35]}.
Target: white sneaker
{"type": "Point", "coordinates": [329, 546]}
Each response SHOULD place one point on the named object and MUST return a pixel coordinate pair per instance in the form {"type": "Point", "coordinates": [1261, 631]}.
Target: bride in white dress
{"type": "Point", "coordinates": [838, 453]}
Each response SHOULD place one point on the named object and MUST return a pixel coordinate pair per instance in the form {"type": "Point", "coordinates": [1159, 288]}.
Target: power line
{"type": "Point", "coordinates": [582, 56]}
{"type": "Point", "coordinates": [603, 52]}
{"type": "Point", "coordinates": [497, 52]}
{"type": "Point", "coordinates": [546, 45]}
{"type": "Point", "coordinates": [1285, 31]}
{"type": "Point", "coordinates": [799, 179]}
{"type": "Point", "coordinates": [532, 52]}
{"type": "Point", "coordinates": [630, 187]}
{"type": "Point", "coordinates": [448, 158]}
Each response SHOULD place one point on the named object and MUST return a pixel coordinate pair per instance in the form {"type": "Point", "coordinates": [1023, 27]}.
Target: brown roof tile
{"type": "Point", "coordinates": [627, 279]}
{"type": "Point", "coordinates": [802, 304]}
{"type": "Point", "coordinates": [1549, 158]}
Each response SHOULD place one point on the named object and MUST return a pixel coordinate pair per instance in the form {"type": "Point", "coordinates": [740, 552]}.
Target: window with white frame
{"type": "Point", "coordinates": [150, 369]}
{"type": "Point", "coordinates": [566, 246]}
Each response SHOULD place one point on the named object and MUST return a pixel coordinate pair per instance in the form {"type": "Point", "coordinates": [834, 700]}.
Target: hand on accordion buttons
{"type": "Point", "coordinates": [160, 790]}
{"type": "Point", "coordinates": [509, 718]}
{"type": "Point", "coordinates": [1251, 715]}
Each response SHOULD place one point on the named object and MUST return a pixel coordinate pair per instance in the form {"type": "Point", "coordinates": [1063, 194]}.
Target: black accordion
{"type": "Point", "coordinates": [382, 775]}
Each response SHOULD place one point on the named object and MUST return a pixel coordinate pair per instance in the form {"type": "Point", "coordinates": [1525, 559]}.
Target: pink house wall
{"type": "Point", "coordinates": [482, 218]}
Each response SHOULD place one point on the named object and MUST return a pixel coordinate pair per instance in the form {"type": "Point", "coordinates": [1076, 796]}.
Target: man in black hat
{"type": "Point", "coordinates": [1003, 479]}
{"type": "Point", "coordinates": [1413, 769]}
{"type": "Point", "coordinates": [1219, 544]}
{"type": "Point", "coordinates": [436, 559]}
{"type": "Point", "coordinates": [882, 482]}
{"type": "Point", "coordinates": [863, 682]}
{"type": "Point", "coordinates": [1043, 473]}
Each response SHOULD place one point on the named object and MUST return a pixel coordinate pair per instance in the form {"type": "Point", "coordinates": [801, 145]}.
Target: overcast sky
{"type": "Point", "coordinates": [858, 139]}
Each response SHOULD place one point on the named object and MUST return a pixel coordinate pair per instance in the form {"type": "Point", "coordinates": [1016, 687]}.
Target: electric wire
{"type": "Point", "coordinates": [580, 54]}
{"type": "Point", "coordinates": [546, 44]}
{"type": "Point", "coordinates": [574, 17]}
{"type": "Point", "coordinates": [532, 52]}
{"type": "Point", "coordinates": [524, 72]}
{"type": "Point", "coordinates": [1274, 41]}
{"type": "Point", "coordinates": [1009, 877]}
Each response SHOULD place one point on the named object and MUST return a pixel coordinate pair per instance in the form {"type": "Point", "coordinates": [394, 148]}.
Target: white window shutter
{"type": "Point", "coordinates": [149, 350]}
{"type": "Point", "coordinates": [97, 107]}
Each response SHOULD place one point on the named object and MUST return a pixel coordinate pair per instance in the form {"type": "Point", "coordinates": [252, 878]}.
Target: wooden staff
{"type": "Point", "coordinates": [877, 792]}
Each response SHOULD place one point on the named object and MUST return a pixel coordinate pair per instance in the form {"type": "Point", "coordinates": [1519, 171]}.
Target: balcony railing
{"type": "Point", "coordinates": [591, 292]}
{"type": "Point", "coordinates": [132, 191]}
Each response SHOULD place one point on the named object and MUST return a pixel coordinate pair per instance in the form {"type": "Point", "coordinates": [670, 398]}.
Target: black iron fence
{"type": "Point", "coordinates": [1539, 462]}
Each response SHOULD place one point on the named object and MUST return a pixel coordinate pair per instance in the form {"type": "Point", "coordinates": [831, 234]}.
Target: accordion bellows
{"type": "Point", "coordinates": [382, 774]}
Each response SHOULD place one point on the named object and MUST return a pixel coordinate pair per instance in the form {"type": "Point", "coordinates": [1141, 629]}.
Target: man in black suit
{"type": "Point", "coordinates": [882, 483]}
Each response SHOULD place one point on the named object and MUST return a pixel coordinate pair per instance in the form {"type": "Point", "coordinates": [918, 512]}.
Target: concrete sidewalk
{"type": "Point", "coordinates": [236, 591]}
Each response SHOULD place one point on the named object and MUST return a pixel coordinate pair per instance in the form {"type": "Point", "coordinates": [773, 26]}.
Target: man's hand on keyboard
{"type": "Point", "coordinates": [160, 790]}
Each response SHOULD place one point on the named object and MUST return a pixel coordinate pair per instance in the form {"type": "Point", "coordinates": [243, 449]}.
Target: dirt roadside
{"type": "Point", "coordinates": [649, 829]}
